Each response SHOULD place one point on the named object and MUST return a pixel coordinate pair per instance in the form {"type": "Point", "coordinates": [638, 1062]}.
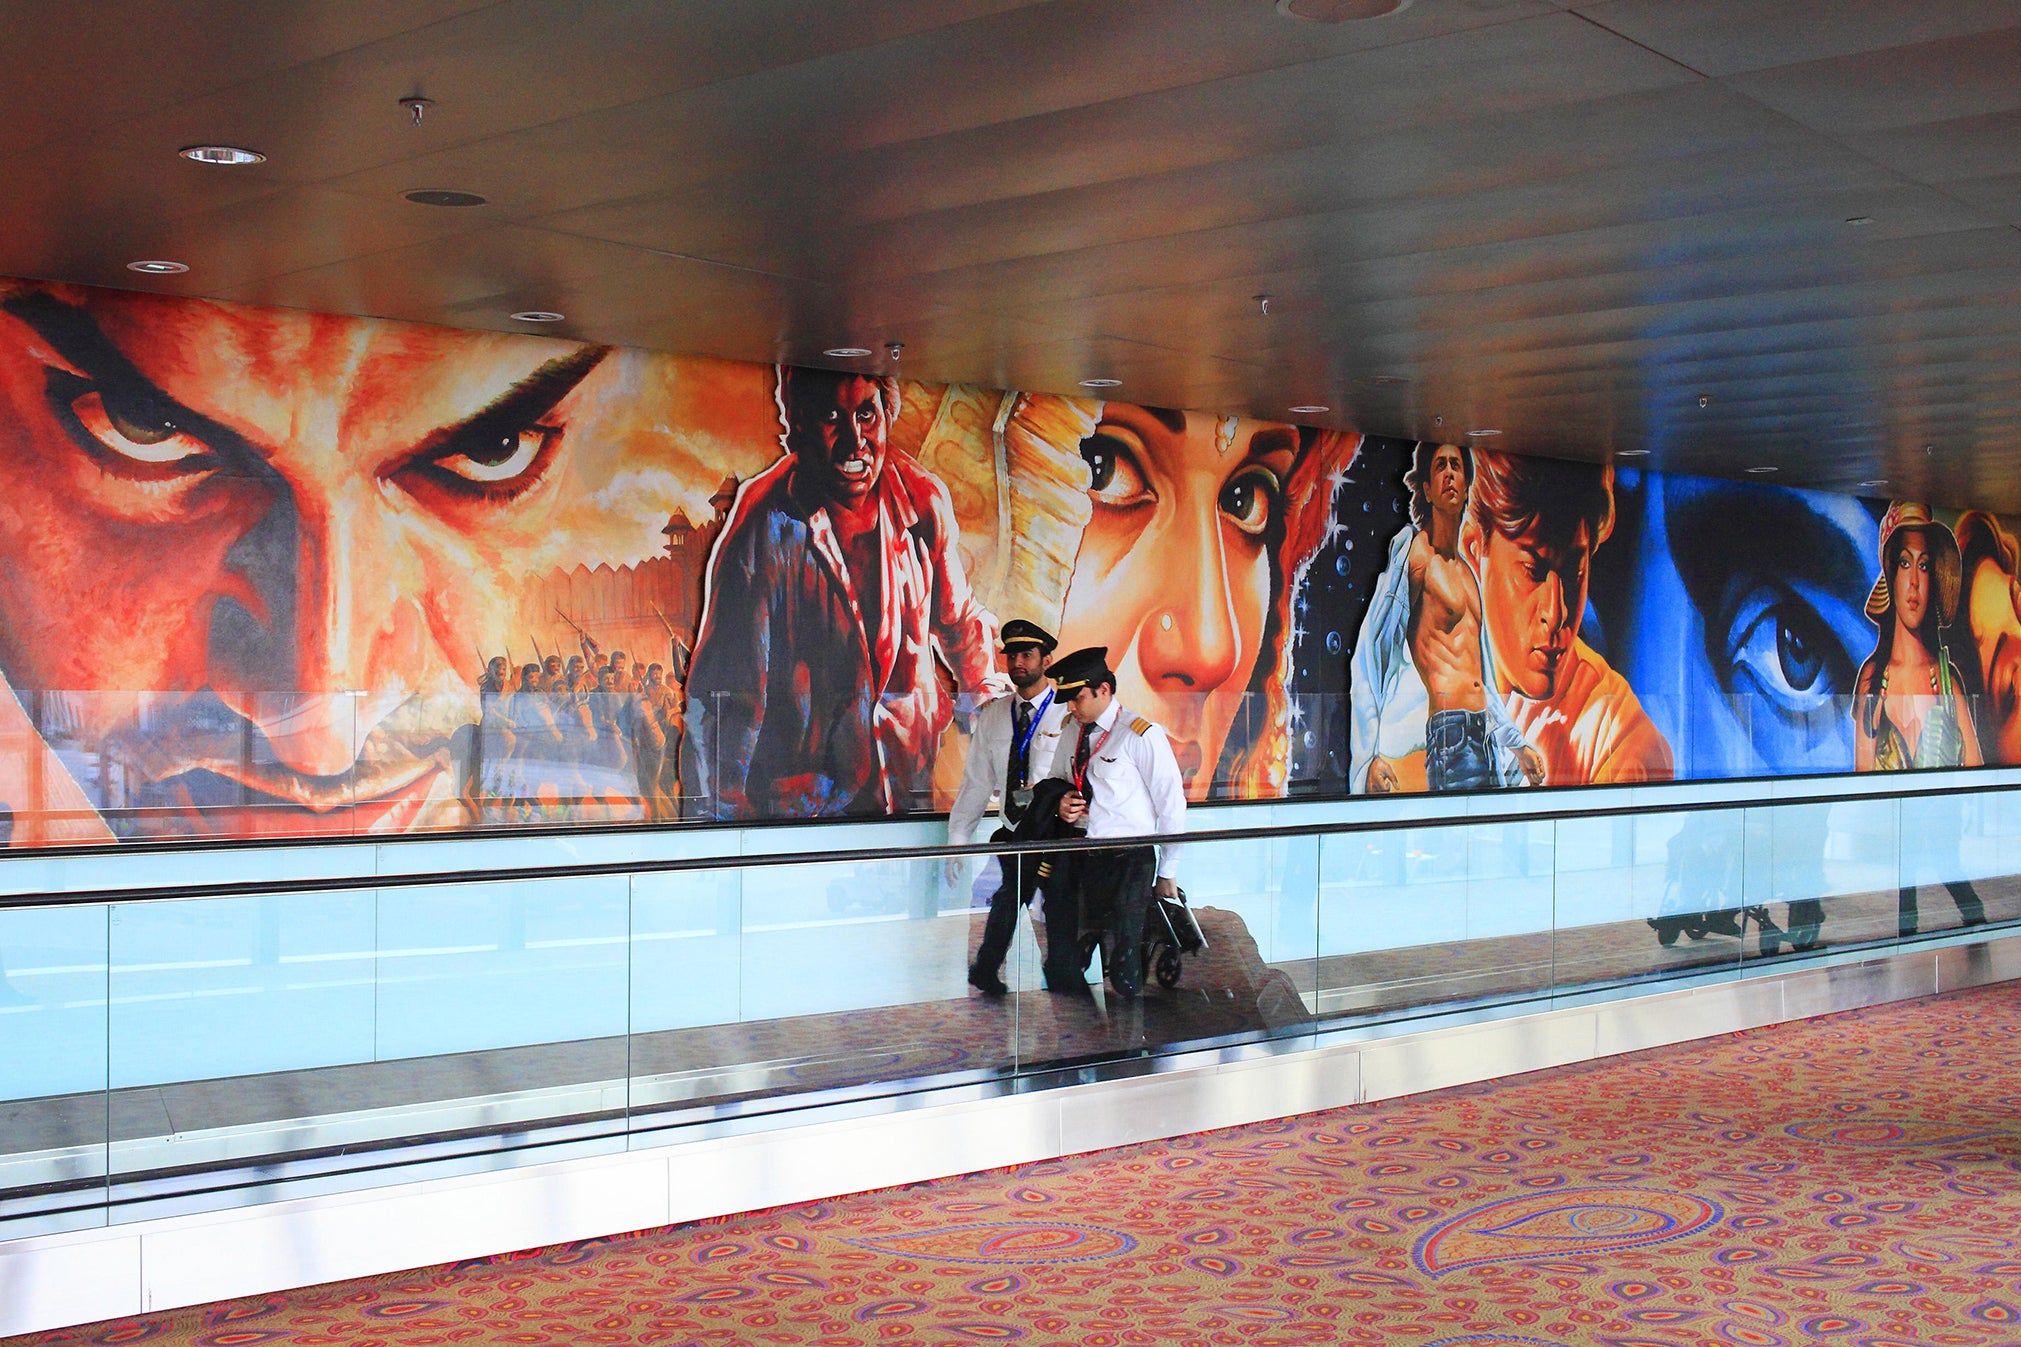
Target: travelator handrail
{"type": "Point", "coordinates": [513, 831]}
{"type": "Point", "coordinates": [767, 860]}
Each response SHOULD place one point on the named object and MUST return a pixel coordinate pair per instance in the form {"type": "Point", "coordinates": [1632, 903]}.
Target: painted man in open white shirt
{"type": "Point", "coordinates": [1013, 747]}
{"type": "Point", "coordinates": [1126, 783]}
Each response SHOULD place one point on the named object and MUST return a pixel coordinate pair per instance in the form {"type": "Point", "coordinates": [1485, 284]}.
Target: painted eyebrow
{"type": "Point", "coordinates": [1275, 439]}
{"type": "Point", "coordinates": [78, 338]}
{"type": "Point", "coordinates": [527, 400]}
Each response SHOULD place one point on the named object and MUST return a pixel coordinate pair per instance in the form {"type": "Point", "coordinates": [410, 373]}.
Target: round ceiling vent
{"type": "Point", "coordinates": [1340, 11]}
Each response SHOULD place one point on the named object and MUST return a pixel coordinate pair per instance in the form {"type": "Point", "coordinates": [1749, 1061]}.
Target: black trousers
{"type": "Point", "coordinates": [1971, 912]}
{"type": "Point", "coordinates": [1020, 878]}
{"type": "Point", "coordinates": [1115, 892]}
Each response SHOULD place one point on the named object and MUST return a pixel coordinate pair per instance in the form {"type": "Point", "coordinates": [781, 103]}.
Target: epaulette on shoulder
{"type": "Point", "coordinates": [1141, 726]}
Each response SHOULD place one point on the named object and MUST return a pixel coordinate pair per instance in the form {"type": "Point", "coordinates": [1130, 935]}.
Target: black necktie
{"type": "Point", "coordinates": [1015, 769]}
{"type": "Point", "coordinates": [1082, 750]}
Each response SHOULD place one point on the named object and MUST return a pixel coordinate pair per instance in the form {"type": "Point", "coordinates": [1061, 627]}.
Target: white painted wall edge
{"type": "Point", "coordinates": [56, 1281]}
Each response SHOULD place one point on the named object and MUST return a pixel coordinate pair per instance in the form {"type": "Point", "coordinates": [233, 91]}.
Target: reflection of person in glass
{"type": "Point", "coordinates": [1183, 567]}
{"type": "Point", "coordinates": [1535, 525]}
{"type": "Point", "coordinates": [834, 593]}
{"type": "Point", "coordinates": [257, 546]}
{"type": "Point", "coordinates": [1426, 607]}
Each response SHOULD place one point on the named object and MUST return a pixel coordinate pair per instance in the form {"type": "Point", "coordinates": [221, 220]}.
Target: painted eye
{"type": "Point", "coordinates": [1781, 649]}
{"type": "Point", "coordinates": [1114, 477]}
{"type": "Point", "coordinates": [140, 436]}
{"type": "Point", "coordinates": [1250, 498]}
{"type": "Point", "coordinates": [504, 459]}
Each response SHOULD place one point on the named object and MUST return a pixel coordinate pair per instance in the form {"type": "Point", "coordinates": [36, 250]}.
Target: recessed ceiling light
{"type": "Point", "coordinates": [1101, 383]}
{"type": "Point", "coordinates": [1483, 434]}
{"type": "Point", "coordinates": [1856, 221]}
{"type": "Point", "coordinates": [1340, 11]}
{"type": "Point", "coordinates": [1875, 481]}
{"type": "Point", "coordinates": [157, 267]}
{"type": "Point", "coordinates": [1763, 467]}
{"type": "Point", "coordinates": [221, 154]}
{"type": "Point", "coordinates": [538, 316]}
{"type": "Point", "coordinates": [443, 196]}
{"type": "Point", "coordinates": [1631, 453]}
{"type": "Point", "coordinates": [1310, 409]}
{"type": "Point", "coordinates": [846, 352]}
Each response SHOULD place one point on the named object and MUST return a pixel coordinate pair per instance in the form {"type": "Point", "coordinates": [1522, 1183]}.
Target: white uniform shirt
{"type": "Point", "coordinates": [1134, 781]}
{"type": "Point", "coordinates": [989, 752]}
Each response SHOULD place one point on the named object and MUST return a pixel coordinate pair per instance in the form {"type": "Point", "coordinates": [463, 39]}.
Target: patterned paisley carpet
{"type": "Point", "coordinates": [1850, 1180]}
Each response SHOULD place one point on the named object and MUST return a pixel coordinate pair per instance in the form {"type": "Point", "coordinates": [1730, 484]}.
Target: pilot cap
{"type": "Point", "coordinates": [1082, 669]}
{"type": "Point", "coordinates": [1018, 633]}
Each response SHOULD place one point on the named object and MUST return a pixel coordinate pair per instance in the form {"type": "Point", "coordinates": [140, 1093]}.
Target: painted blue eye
{"type": "Point", "coordinates": [1780, 645]}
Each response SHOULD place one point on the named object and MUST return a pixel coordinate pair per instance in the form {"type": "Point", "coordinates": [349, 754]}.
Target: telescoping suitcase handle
{"type": "Point", "coordinates": [1185, 925]}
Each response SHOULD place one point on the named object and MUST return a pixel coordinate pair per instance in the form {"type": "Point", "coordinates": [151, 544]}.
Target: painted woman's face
{"type": "Point", "coordinates": [1910, 583]}
{"type": "Point", "coordinates": [1173, 574]}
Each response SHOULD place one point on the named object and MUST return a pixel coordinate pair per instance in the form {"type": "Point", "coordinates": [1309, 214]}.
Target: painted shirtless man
{"type": "Point", "coordinates": [1434, 617]}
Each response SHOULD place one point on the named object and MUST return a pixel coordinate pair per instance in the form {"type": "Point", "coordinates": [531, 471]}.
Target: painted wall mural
{"type": "Point", "coordinates": [278, 573]}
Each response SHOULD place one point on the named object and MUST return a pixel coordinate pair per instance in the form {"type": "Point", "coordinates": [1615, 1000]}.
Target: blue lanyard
{"type": "Point", "coordinates": [1038, 713]}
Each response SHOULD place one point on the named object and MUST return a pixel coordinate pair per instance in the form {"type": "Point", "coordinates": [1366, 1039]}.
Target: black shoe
{"type": "Point", "coordinates": [989, 984]}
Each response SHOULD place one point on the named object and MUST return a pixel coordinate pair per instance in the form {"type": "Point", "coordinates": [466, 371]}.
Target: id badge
{"type": "Point", "coordinates": [1021, 798]}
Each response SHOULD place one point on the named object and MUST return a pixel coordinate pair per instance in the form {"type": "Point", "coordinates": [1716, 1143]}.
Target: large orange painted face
{"type": "Point", "coordinates": [1993, 607]}
{"type": "Point", "coordinates": [283, 542]}
{"type": "Point", "coordinates": [1174, 570]}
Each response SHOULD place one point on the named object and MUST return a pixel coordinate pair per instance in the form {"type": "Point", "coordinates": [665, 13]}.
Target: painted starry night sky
{"type": "Point", "coordinates": [1368, 508]}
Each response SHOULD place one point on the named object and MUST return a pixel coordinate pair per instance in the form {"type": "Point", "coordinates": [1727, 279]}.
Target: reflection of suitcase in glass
{"type": "Point", "coordinates": [1170, 930]}
{"type": "Point", "coordinates": [1699, 876]}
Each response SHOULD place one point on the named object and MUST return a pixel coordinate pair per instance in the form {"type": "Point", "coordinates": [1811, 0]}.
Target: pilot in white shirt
{"type": "Point", "coordinates": [1126, 784]}
{"type": "Point", "coordinates": [1014, 744]}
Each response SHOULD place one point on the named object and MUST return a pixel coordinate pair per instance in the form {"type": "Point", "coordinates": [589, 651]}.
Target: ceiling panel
{"type": "Point", "coordinates": [1907, 86]}
{"type": "Point", "coordinates": [1241, 148]}
{"type": "Point", "coordinates": [1999, 196]}
{"type": "Point", "coordinates": [1567, 218]}
{"type": "Point", "coordinates": [71, 69]}
{"type": "Point", "coordinates": [1728, 37]}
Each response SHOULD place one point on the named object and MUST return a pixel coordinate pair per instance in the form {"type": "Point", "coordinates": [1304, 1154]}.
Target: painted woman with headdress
{"type": "Point", "coordinates": [1180, 540]}
{"type": "Point", "coordinates": [1909, 707]}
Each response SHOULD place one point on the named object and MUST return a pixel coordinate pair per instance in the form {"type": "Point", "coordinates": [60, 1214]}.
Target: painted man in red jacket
{"type": "Point", "coordinates": [834, 592]}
